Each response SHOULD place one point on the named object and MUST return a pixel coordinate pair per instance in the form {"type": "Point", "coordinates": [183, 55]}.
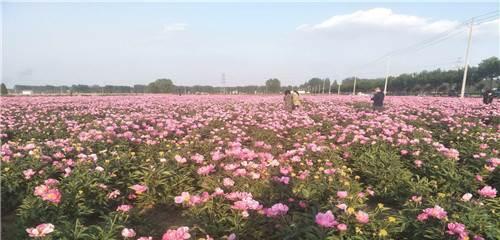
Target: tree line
{"type": "Point", "coordinates": [485, 75]}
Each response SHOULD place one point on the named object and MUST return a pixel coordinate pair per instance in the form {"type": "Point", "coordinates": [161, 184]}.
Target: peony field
{"type": "Point", "coordinates": [209, 167]}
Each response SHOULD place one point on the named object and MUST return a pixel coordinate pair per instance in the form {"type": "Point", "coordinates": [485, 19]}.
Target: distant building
{"type": "Point", "coordinates": [27, 92]}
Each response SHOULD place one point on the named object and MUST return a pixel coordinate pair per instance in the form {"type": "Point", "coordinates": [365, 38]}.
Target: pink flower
{"type": "Point", "coordinates": [342, 206]}
{"type": "Point", "coordinates": [362, 217]}
{"type": "Point", "coordinates": [488, 191]}
{"type": "Point", "coordinates": [329, 171]}
{"type": "Point", "coordinates": [51, 182]}
{"type": "Point", "coordinates": [326, 219]}
{"type": "Point", "coordinates": [466, 197]}
{"type": "Point", "coordinates": [218, 191]}
{"type": "Point", "coordinates": [139, 189]}
{"type": "Point", "coordinates": [113, 194]}
{"type": "Point", "coordinates": [494, 162]}
{"type": "Point", "coordinates": [436, 212]}
{"type": "Point", "coordinates": [52, 195]}
{"type": "Point", "coordinates": [184, 197]}
{"type": "Point", "coordinates": [128, 233]}
{"type": "Point", "coordinates": [418, 163]}
{"type": "Point", "coordinates": [342, 227]}
{"type": "Point", "coordinates": [247, 203]}
{"type": "Point", "coordinates": [416, 199]}
{"type": "Point", "coordinates": [41, 230]}
{"type": "Point", "coordinates": [145, 238]}
{"type": "Point", "coordinates": [341, 194]}
{"type": "Point", "coordinates": [30, 146]}
{"type": "Point", "coordinates": [231, 236]}
{"type": "Point", "coordinates": [284, 180]}
{"type": "Point", "coordinates": [277, 209]}
{"type": "Point", "coordinates": [205, 170]}
{"type": "Point", "coordinates": [422, 217]}
{"type": "Point", "coordinates": [228, 182]}
{"type": "Point", "coordinates": [479, 178]}
{"type": "Point", "coordinates": [457, 229]}
{"type": "Point", "coordinates": [41, 190]}
{"type": "Point", "coordinates": [198, 158]}
{"type": "Point", "coordinates": [177, 234]}
{"type": "Point", "coordinates": [124, 208]}
{"type": "Point", "coordinates": [28, 173]}
{"type": "Point", "coordinates": [180, 159]}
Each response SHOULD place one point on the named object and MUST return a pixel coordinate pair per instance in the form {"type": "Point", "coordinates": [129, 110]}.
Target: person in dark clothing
{"type": "Point", "coordinates": [378, 99]}
{"type": "Point", "coordinates": [488, 96]}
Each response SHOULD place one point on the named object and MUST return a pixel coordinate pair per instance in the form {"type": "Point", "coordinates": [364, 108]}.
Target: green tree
{"type": "Point", "coordinates": [489, 69]}
{"type": "Point", "coordinates": [3, 90]}
{"type": "Point", "coordinates": [273, 85]}
{"type": "Point", "coordinates": [162, 85]}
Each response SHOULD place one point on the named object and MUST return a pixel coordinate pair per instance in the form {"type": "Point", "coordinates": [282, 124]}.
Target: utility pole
{"type": "Point", "coordinates": [330, 89]}
{"type": "Point", "coordinates": [387, 75]}
{"type": "Point", "coordinates": [354, 87]}
{"type": "Point", "coordinates": [464, 80]}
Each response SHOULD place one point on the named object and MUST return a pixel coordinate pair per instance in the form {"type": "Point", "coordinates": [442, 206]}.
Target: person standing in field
{"type": "Point", "coordinates": [378, 99]}
{"type": "Point", "coordinates": [488, 96]}
{"type": "Point", "coordinates": [287, 100]}
{"type": "Point", "coordinates": [295, 100]}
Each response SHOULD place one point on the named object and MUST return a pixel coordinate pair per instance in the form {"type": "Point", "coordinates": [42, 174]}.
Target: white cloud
{"type": "Point", "coordinates": [489, 27]}
{"type": "Point", "coordinates": [381, 18]}
{"type": "Point", "coordinates": [176, 27]}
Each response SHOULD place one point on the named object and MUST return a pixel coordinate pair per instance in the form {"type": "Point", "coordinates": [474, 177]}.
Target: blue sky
{"type": "Point", "coordinates": [194, 43]}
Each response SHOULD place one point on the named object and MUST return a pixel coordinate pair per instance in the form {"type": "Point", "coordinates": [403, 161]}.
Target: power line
{"type": "Point", "coordinates": [439, 38]}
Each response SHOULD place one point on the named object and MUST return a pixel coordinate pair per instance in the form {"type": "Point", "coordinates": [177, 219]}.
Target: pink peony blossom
{"type": "Point", "coordinates": [362, 217]}
{"type": "Point", "coordinates": [418, 163]}
{"type": "Point", "coordinates": [326, 219]}
{"type": "Point", "coordinates": [231, 236]}
{"type": "Point", "coordinates": [139, 189]}
{"type": "Point", "coordinates": [342, 227]}
{"type": "Point", "coordinates": [114, 194]}
{"type": "Point", "coordinates": [52, 195]}
{"type": "Point", "coordinates": [180, 159]}
{"type": "Point", "coordinates": [177, 234]}
{"type": "Point", "coordinates": [128, 233]}
{"type": "Point", "coordinates": [457, 229]}
{"type": "Point", "coordinates": [184, 197]}
{"type": "Point", "coordinates": [435, 212]}
{"type": "Point", "coordinates": [205, 170]}
{"type": "Point", "coordinates": [277, 209]}
{"type": "Point", "coordinates": [341, 194]}
{"type": "Point", "coordinates": [28, 173]}
{"type": "Point", "coordinates": [228, 182]}
{"type": "Point", "coordinates": [124, 208]}
{"type": "Point", "coordinates": [466, 197]}
{"type": "Point", "coordinates": [488, 192]}
{"type": "Point", "coordinates": [41, 230]}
